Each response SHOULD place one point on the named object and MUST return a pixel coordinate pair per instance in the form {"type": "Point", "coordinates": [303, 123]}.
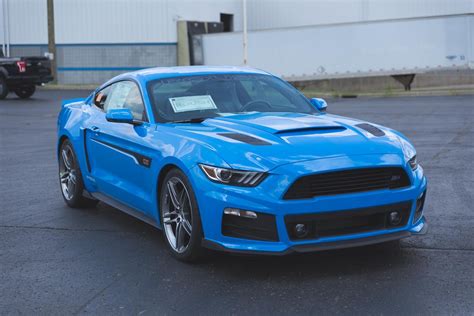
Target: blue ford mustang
{"type": "Point", "coordinates": [236, 159]}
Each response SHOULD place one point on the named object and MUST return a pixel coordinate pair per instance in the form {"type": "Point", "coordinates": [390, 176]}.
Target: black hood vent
{"type": "Point", "coordinates": [315, 129]}
{"type": "Point", "coordinates": [371, 129]}
{"type": "Point", "coordinates": [245, 139]}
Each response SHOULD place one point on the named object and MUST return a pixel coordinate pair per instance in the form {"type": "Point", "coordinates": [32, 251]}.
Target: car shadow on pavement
{"type": "Point", "coordinates": [314, 265]}
{"type": "Point", "coordinates": [350, 261]}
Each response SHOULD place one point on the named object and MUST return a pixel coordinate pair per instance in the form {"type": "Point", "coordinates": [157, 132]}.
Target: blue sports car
{"type": "Point", "coordinates": [236, 159]}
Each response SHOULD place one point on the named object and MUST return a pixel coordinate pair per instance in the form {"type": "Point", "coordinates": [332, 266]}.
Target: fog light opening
{"type": "Point", "coordinates": [240, 213]}
{"type": "Point", "coordinates": [394, 218]}
{"type": "Point", "coordinates": [301, 230]}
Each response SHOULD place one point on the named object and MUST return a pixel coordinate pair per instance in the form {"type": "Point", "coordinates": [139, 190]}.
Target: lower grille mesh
{"type": "Point", "coordinates": [347, 181]}
{"type": "Point", "coordinates": [348, 222]}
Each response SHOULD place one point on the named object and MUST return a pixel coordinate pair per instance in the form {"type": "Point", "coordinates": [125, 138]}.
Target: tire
{"type": "Point", "coordinates": [3, 88]}
{"type": "Point", "coordinates": [184, 243]}
{"type": "Point", "coordinates": [24, 92]}
{"type": "Point", "coordinates": [70, 178]}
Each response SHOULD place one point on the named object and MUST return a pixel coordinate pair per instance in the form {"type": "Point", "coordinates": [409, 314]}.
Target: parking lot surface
{"type": "Point", "coordinates": [56, 260]}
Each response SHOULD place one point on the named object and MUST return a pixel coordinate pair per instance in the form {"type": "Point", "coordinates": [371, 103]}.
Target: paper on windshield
{"type": "Point", "coordinates": [192, 103]}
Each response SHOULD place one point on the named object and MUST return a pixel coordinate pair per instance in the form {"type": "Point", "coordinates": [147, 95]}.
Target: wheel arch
{"type": "Point", "coordinates": [161, 176]}
{"type": "Point", "coordinates": [167, 167]}
{"type": "Point", "coordinates": [61, 140]}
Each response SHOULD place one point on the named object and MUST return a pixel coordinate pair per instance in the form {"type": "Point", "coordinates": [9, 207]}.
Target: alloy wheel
{"type": "Point", "coordinates": [67, 172]}
{"type": "Point", "coordinates": [177, 215]}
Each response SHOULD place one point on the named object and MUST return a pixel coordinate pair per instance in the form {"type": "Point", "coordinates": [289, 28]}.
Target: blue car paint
{"type": "Point", "coordinates": [299, 144]}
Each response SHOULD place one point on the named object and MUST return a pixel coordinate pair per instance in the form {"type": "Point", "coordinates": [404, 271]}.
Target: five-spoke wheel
{"type": "Point", "coordinates": [67, 172]}
{"type": "Point", "coordinates": [70, 177]}
{"type": "Point", "coordinates": [180, 217]}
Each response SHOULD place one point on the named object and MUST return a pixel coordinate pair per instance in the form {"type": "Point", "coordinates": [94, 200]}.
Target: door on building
{"type": "Point", "coordinates": [228, 21]}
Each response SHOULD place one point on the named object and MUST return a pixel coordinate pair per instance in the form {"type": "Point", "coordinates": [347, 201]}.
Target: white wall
{"type": "Point", "coordinates": [112, 21]}
{"type": "Point", "coordinates": [27, 21]}
{"type": "Point", "coordinates": [351, 50]}
{"type": "Point", "coordinates": [265, 14]}
{"type": "Point", "coordinates": [122, 21]}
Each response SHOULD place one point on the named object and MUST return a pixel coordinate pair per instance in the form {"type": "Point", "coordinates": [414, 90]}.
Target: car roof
{"type": "Point", "coordinates": [166, 72]}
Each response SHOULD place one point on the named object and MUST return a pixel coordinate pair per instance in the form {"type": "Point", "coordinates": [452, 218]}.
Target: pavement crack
{"type": "Point", "coordinates": [84, 306]}
{"type": "Point", "coordinates": [436, 248]}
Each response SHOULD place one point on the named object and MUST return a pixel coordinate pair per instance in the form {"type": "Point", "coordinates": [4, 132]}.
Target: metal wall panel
{"type": "Point", "coordinates": [93, 64]}
{"type": "Point", "coordinates": [112, 21]}
{"type": "Point", "coordinates": [266, 14]}
{"type": "Point", "coordinates": [106, 56]}
{"type": "Point", "coordinates": [27, 21]}
{"type": "Point", "coordinates": [351, 50]}
{"type": "Point", "coordinates": [86, 77]}
{"type": "Point", "coordinates": [123, 21]}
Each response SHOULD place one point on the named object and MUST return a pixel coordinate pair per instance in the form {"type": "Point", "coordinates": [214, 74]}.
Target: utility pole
{"type": "Point", "coordinates": [244, 39]}
{"type": "Point", "coordinates": [52, 41]}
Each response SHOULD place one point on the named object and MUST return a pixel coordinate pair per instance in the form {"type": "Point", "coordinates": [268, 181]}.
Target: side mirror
{"type": "Point", "coordinates": [120, 116]}
{"type": "Point", "coordinates": [320, 104]}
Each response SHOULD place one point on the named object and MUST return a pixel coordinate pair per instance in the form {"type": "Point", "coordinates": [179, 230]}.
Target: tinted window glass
{"type": "Point", "coordinates": [126, 94]}
{"type": "Point", "coordinates": [190, 97]}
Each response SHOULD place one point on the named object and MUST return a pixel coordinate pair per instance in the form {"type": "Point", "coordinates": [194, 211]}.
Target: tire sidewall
{"type": "Point", "coordinates": [3, 83]}
{"type": "Point", "coordinates": [25, 92]}
{"type": "Point", "coordinates": [194, 249]}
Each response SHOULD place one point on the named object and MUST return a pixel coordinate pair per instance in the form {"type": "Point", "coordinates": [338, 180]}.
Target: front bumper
{"type": "Point", "coordinates": [266, 198]}
{"type": "Point", "coordinates": [315, 247]}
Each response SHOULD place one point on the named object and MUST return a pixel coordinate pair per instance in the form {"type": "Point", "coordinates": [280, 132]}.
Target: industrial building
{"type": "Point", "coordinates": [98, 39]}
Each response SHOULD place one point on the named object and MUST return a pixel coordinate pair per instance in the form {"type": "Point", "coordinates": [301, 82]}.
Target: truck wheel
{"type": "Point", "coordinates": [3, 88]}
{"type": "Point", "coordinates": [25, 92]}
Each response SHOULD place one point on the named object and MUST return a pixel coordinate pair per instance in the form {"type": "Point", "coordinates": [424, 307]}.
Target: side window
{"type": "Point", "coordinates": [126, 95]}
{"type": "Point", "coordinates": [101, 97]}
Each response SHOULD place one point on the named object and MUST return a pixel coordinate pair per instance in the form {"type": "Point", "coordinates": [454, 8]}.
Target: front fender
{"type": "Point", "coordinates": [69, 125]}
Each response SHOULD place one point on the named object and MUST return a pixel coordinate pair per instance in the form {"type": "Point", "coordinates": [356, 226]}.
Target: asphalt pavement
{"type": "Point", "coordinates": [56, 260]}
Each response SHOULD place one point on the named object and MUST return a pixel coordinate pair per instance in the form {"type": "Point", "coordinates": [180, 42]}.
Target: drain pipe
{"type": "Point", "coordinates": [4, 28]}
{"type": "Point", "coordinates": [244, 31]}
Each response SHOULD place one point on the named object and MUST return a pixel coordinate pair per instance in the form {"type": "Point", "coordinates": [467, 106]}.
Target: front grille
{"type": "Point", "coordinates": [347, 181]}
{"type": "Point", "coordinates": [347, 222]}
{"type": "Point", "coordinates": [261, 228]}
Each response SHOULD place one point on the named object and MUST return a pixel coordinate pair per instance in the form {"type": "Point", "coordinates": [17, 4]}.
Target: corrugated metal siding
{"type": "Point", "coordinates": [28, 22]}
{"type": "Point", "coordinates": [112, 21]}
{"type": "Point", "coordinates": [123, 21]}
{"type": "Point", "coordinates": [351, 49]}
{"type": "Point", "coordinates": [265, 14]}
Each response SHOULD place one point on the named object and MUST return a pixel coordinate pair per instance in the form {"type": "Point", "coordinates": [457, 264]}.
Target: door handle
{"type": "Point", "coordinates": [95, 130]}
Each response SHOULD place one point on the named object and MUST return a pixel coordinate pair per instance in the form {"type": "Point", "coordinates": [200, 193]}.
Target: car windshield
{"type": "Point", "coordinates": [204, 96]}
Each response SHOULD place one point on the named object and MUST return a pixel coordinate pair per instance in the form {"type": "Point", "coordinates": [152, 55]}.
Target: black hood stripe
{"type": "Point", "coordinates": [371, 129]}
{"type": "Point", "coordinates": [311, 129]}
{"type": "Point", "coordinates": [245, 139]}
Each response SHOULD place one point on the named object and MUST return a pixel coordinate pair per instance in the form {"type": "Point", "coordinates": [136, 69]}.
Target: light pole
{"type": "Point", "coordinates": [52, 41]}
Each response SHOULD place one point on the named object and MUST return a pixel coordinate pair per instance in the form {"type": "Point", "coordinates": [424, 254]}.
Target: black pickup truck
{"type": "Point", "coordinates": [21, 75]}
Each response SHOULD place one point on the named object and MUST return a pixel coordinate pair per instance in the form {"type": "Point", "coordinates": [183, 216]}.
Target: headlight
{"type": "Point", "coordinates": [413, 163]}
{"type": "Point", "coordinates": [233, 177]}
{"type": "Point", "coordinates": [409, 152]}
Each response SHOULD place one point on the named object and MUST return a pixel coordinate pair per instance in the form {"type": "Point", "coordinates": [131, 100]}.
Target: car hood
{"type": "Point", "coordinates": [263, 141]}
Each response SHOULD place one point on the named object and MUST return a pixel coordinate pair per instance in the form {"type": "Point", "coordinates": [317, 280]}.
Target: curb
{"type": "Point", "coordinates": [441, 91]}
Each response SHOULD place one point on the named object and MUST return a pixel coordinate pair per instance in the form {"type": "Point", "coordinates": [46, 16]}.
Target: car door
{"type": "Point", "coordinates": [119, 154]}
